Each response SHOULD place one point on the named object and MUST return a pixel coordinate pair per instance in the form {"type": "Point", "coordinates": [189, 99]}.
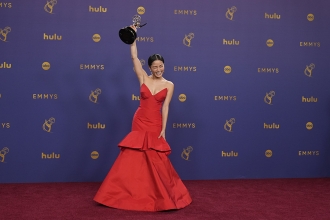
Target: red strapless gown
{"type": "Point", "coordinates": [142, 177]}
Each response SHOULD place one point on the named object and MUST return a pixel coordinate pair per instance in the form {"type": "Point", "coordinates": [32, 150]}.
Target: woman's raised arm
{"type": "Point", "coordinates": [140, 73]}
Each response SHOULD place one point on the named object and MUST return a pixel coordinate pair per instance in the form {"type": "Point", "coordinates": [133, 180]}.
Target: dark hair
{"type": "Point", "coordinates": [154, 57]}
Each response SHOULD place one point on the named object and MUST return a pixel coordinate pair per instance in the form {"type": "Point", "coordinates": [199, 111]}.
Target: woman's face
{"type": "Point", "coordinates": [157, 68]}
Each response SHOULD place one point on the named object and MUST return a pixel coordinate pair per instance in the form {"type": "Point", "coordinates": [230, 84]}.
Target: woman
{"type": "Point", "coordinates": [142, 177]}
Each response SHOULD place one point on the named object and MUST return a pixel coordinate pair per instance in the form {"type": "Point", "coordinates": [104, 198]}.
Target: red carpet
{"type": "Point", "coordinates": [215, 199]}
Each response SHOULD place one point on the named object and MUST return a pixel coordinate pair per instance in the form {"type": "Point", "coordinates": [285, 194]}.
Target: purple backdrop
{"type": "Point", "coordinates": [251, 79]}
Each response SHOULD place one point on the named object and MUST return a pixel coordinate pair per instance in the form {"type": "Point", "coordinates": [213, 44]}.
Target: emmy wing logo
{"type": "Point", "coordinates": [3, 34]}
{"type": "Point", "coordinates": [186, 153]}
{"type": "Point", "coordinates": [94, 95]}
{"type": "Point", "coordinates": [229, 125]}
{"type": "Point", "coordinates": [47, 126]}
{"type": "Point", "coordinates": [269, 97]}
{"type": "Point", "coordinates": [309, 69]}
{"type": "Point", "coordinates": [230, 13]}
{"type": "Point", "coordinates": [187, 39]}
{"type": "Point", "coordinates": [3, 152]}
{"type": "Point", "coordinates": [49, 6]}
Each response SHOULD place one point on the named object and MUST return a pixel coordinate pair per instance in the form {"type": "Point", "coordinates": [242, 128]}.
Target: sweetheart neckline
{"type": "Point", "coordinates": [150, 91]}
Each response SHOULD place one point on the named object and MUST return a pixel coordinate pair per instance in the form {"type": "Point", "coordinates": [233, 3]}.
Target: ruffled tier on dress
{"type": "Point", "coordinates": [145, 140]}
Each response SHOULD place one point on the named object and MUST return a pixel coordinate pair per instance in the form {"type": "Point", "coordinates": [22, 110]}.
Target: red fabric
{"type": "Point", "coordinates": [142, 177]}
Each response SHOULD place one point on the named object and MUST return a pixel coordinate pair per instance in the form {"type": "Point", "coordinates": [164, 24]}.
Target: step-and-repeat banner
{"type": "Point", "coordinates": [251, 80]}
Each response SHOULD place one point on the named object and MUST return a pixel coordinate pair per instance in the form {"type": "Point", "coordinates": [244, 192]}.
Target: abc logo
{"type": "Point", "coordinates": [45, 65]}
{"type": "Point", "coordinates": [270, 43]}
{"type": "Point", "coordinates": [309, 125]}
{"type": "Point", "coordinates": [96, 37]}
{"type": "Point", "coordinates": [310, 17]}
{"type": "Point", "coordinates": [141, 10]}
{"type": "Point", "coordinates": [268, 153]}
{"type": "Point", "coordinates": [182, 97]}
{"type": "Point", "coordinates": [95, 155]}
{"type": "Point", "coordinates": [227, 69]}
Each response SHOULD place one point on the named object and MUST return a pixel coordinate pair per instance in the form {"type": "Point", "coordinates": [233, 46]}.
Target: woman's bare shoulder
{"type": "Point", "coordinates": [169, 83]}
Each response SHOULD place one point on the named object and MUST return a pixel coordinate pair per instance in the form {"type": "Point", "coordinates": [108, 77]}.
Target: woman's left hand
{"type": "Point", "coordinates": [162, 134]}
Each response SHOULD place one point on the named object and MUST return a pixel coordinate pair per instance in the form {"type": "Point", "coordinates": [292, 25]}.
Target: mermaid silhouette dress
{"type": "Point", "coordinates": [142, 177]}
